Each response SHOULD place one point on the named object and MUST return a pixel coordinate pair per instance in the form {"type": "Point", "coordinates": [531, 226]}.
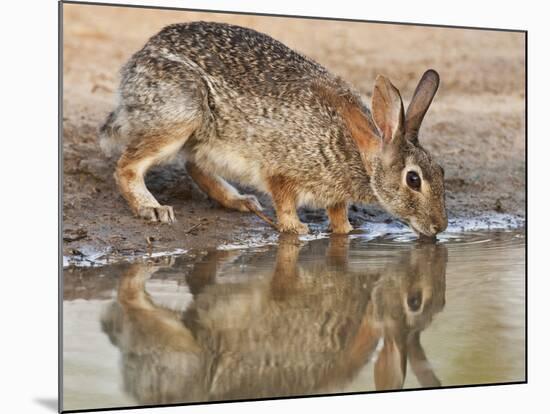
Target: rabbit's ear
{"type": "Point", "coordinates": [363, 132]}
{"type": "Point", "coordinates": [420, 364]}
{"type": "Point", "coordinates": [387, 108]}
{"type": "Point", "coordinates": [420, 102]}
{"type": "Point", "coordinates": [391, 365]}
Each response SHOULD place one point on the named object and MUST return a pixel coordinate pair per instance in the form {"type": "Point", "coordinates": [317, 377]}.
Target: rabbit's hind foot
{"type": "Point", "coordinates": [132, 187]}
{"type": "Point", "coordinates": [147, 151]}
{"type": "Point", "coordinates": [246, 203]}
{"type": "Point", "coordinates": [221, 191]}
{"type": "Point", "coordinates": [163, 214]}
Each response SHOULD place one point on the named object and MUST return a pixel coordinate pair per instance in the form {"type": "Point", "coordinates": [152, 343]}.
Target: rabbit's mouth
{"type": "Point", "coordinates": [408, 223]}
{"type": "Point", "coordinates": [422, 235]}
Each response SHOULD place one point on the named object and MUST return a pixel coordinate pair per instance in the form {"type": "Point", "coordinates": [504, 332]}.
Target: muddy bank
{"type": "Point", "coordinates": [475, 127]}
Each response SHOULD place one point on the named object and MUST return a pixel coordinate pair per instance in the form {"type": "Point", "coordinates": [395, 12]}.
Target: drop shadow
{"type": "Point", "coordinates": [50, 403]}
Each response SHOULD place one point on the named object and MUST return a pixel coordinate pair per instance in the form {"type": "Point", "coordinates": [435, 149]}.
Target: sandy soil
{"type": "Point", "coordinates": [475, 126]}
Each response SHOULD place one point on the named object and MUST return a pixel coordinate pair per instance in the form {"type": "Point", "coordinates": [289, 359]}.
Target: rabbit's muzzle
{"type": "Point", "coordinates": [440, 225]}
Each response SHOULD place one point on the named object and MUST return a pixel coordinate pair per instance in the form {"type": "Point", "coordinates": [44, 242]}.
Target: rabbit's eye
{"type": "Point", "coordinates": [414, 301]}
{"type": "Point", "coordinates": [413, 180]}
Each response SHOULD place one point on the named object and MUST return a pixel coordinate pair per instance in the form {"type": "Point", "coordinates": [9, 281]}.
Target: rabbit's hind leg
{"type": "Point", "coordinates": [148, 325]}
{"type": "Point", "coordinates": [131, 289]}
{"type": "Point", "coordinates": [284, 194]}
{"type": "Point", "coordinates": [142, 154]}
{"type": "Point", "coordinates": [220, 190]}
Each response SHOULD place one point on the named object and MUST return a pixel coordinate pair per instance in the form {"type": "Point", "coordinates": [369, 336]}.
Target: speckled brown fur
{"type": "Point", "coordinates": [249, 109]}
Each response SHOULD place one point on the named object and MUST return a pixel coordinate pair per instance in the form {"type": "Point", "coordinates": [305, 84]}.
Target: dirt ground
{"type": "Point", "coordinates": [475, 127]}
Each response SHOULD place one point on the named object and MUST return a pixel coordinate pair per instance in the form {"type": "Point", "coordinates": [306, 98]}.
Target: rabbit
{"type": "Point", "coordinates": [241, 106]}
{"type": "Point", "coordinates": [301, 328]}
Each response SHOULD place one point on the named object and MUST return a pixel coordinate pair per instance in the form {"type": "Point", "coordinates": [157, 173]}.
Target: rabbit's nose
{"type": "Point", "coordinates": [438, 227]}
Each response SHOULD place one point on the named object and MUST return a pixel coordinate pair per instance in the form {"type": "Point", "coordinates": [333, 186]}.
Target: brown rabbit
{"type": "Point", "coordinates": [303, 329]}
{"type": "Point", "coordinates": [242, 106]}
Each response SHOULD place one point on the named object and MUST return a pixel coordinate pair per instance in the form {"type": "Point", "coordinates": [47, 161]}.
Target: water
{"type": "Point", "coordinates": [333, 315]}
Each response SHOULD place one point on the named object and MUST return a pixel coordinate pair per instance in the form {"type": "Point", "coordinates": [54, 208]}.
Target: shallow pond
{"type": "Point", "coordinates": [333, 315]}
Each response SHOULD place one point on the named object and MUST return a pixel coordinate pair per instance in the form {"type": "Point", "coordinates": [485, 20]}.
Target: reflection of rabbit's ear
{"type": "Point", "coordinates": [111, 322]}
{"type": "Point", "coordinates": [419, 363]}
{"type": "Point", "coordinates": [391, 365]}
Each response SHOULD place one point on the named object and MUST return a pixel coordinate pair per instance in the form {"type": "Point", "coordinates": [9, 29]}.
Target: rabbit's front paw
{"type": "Point", "coordinates": [164, 214]}
{"type": "Point", "coordinates": [341, 228]}
{"type": "Point", "coordinates": [293, 227]}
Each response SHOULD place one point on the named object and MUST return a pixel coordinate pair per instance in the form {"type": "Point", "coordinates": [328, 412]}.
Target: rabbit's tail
{"type": "Point", "coordinates": [112, 134]}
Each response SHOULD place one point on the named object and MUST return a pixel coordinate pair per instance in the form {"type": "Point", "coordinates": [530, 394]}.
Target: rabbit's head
{"type": "Point", "coordinates": [405, 178]}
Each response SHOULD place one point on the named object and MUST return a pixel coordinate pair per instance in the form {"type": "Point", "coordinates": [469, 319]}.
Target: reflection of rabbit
{"type": "Point", "coordinates": [244, 107]}
{"type": "Point", "coordinates": [304, 329]}
{"type": "Point", "coordinates": [406, 297]}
